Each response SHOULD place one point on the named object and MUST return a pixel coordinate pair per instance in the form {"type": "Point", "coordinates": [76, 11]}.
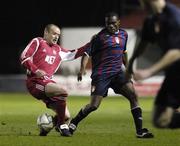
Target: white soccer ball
{"type": "Point", "coordinates": [45, 122]}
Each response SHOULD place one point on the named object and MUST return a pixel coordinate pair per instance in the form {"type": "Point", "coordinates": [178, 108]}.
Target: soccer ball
{"type": "Point", "coordinates": [45, 122]}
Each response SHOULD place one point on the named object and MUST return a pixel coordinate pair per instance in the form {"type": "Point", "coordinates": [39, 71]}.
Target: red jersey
{"type": "Point", "coordinates": [40, 55]}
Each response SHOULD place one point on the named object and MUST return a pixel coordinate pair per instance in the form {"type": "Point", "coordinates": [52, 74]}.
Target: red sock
{"type": "Point", "coordinates": [60, 111]}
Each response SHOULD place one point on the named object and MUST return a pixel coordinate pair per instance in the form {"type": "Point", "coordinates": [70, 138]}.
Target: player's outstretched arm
{"type": "Point", "coordinates": [82, 71]}
{"type": "Point", "coordinates": [169, 58]}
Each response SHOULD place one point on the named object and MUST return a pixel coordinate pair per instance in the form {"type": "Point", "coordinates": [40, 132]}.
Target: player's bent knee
{"type": "Point", "coordinates": [65, 95]}
{"type": "Point", "coordinates": [62, 92]}
{"type": "Point", "coordinates": [53, 89]}
{"type": "Point", "coordinates": [163, 119]}
{"type": "Point", "coordinates": [160, 124]}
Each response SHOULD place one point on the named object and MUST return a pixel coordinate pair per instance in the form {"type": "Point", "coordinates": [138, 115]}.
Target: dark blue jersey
{"type": "Point", "coordinates": [107, 51]}
{"type": "Point", "coordinates": [168, 36]}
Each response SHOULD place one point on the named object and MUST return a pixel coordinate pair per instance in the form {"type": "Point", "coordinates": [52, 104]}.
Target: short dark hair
{"type": "Point", "coordinates": [111, 14]}
{"type": "Point", "coordinates": [48, 26]}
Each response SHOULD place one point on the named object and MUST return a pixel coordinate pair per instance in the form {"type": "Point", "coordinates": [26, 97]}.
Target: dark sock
{"type": "Point", "coordinates": [78, 117]}
{"type": "Point", "coordinates": [175, 122]}
{"type": "Point", "coordinates": [81, 115]}
{"type": "Point", "coordinates": [137, 115]}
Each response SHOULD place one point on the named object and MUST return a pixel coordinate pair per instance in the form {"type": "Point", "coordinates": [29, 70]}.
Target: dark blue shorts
{"type": "Point", "coordinates": [101, 84]}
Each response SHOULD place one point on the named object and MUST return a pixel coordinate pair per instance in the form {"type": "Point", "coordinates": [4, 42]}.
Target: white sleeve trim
{"type": "Point", "coordinates": [25, 60]}
{"type": "Point", "coordinates": [86, 54]}
{"type": "Point", "coordinates": [27, 48]}
{"type": "Point", "coordinates": [67, 56]}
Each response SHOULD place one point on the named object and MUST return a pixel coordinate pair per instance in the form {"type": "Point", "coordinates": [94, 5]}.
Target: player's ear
{"type": "Point", "coordinates": [45, 32]}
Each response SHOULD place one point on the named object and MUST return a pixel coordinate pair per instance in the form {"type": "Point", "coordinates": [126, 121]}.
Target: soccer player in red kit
{"type": "Point", "coordinates": [42, 57]}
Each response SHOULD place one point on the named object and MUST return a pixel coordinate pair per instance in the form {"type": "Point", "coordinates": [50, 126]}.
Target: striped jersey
{"type": "Point", "coordinates": [106, 52]}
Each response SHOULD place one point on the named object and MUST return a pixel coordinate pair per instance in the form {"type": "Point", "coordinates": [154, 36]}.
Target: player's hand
{"type": "Point", "coordinates": [141, 75]}
{"type": "Point", "coordinates": [79, 75]}
{"type": "Point", "coordinates": [40, 73]}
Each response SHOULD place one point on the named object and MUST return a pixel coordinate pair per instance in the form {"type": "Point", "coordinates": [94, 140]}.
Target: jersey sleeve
{"type": "Point", "coordinates": [26, 57]}
{"type": "Point", "coordinates": [83, 49]}
{"type": "Point", "coordinates": [67, 55]}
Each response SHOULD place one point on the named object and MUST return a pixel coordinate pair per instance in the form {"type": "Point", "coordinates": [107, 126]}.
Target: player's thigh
{"type": "Point", "coordinates": [54, 89]}
{"type": "Point", "coordinates": [99, 87]}
{"type": "Point", "coordinates": [36, 87]}
{"type": "Point", "coordinates": [126, 89]}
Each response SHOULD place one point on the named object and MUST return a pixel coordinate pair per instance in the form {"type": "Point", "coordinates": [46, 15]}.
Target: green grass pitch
{"type": "Point", "coordinates": [110, 125]}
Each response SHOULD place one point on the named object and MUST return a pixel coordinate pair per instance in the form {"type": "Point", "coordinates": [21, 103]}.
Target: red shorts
{"type": "Point", "coordinates": [36, 87]}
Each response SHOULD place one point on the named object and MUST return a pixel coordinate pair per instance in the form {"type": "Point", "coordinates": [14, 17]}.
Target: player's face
{"type": "Point", "coordinates": [112, 24]}
{"type": "Point", "coordinates": [52, 35]}
{"type": "Point", "coordinates": [157, 5]}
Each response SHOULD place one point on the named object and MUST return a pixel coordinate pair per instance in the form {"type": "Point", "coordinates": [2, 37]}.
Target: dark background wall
{"type": "Point", "coordinates": [20, 21]}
